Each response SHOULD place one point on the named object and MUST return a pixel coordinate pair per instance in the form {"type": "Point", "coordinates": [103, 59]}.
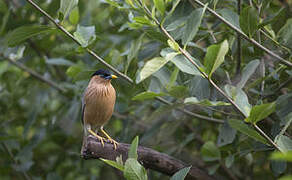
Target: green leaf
{"type": "Point", "coordinates": [173, 78]}
{"type": "Point", "coordinates": [66, 7]}
{"type": "Point", "coordinates": [280, 156]}
{"type": "Point", "coordinates": [59, 62]}
{"type": "Point", "coordinates": [204, 102]}
{"type": "Point", "coordinates": [181, 174]}
{"type": "Point", "coordinates": [226, 135]}
{"type": "Point", "coordinates": [74, 16]}
{"type": "Point", "coordinates": [260, 112]}
{"type": "Point", "coordinates": [134, 50]}
{"type": "Point", "coordinates": [285, 34]}
{"type": "Point", "coordinates": [113, 164]}
{"type": "Point", "coordinates": [22, 33]}
{"type": "Point", "coordinates": [193, 24]}
{"type": "Point", "coordinates": [18, 55]}
{"type": "Point", "coordinates": [249, 20]}
{"type": "Point", "coordinates": [248, 70]}
{"type": "Point", "coordinates": [245, 129]}
{"type": "Point", "coordinates": [210, 152]}
{"type": "Point", "coordinates": [185, 65]}
{"type": "Point", "coordinates": [286, 177]}
{"type": "Point", "coordinates": [159, 5]}
{"type": "Point", "coordinates": [142, 20]}
{"type": "Point", "coordinates": [240, 98]}
{"type": "Point", "coordinates": [134, 171]}
{"type": "Point", "coordinates": [151, 67]}
{"type": "Point", "coordinates": [133, 149]}
{"type": "Point", "coordinates": [215, 57]}
{"type": "Point", "coordinates": [85, 35]}
{"type": "Point", "coordinates": [173, 45]}
{"type": "Point", "coordinates": [72, 71]}
{"type": "Point", "coordinates": [178, 91]}
{"type": "Point", "coordinates": [284, 143]}
{"type": "Point", "coordinates": [147, 95]}
{"type": "Point", "coordinates": [230, 16]}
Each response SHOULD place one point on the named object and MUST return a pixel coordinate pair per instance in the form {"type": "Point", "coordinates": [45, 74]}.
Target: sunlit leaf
{"type": "Point", "coordinates": [85, 35]}
{"type": "Point", "coordinates": [66, 7]}
{"type": "Point", "coordinates": [260, 112]}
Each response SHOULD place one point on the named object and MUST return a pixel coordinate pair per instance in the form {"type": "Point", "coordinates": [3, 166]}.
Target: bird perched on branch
{"type": "Point", "coordinates": [98, 104]}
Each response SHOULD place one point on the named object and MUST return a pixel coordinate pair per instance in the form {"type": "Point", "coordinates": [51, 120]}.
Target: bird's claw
{"type": "Point", "coordinates": [115, 143]}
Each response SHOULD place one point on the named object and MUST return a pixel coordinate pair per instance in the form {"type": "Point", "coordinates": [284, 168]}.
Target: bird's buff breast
{"type": "Point", "coordinates": [99, 105]}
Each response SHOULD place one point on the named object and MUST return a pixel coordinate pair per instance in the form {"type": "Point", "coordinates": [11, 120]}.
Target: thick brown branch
{"type": "Point", "coordinates": [149, 158]}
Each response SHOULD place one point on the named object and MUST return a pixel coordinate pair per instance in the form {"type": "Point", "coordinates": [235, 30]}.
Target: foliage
{"type": "Point", "coordinates": [179, 55]}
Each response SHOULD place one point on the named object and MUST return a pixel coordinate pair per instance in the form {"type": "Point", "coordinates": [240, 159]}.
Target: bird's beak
{"type": "Point", "coordinates": [114, 77]}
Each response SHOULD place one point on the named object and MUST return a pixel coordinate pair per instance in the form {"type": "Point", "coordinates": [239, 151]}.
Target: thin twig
{"type": "Point", "coordinates": [112, 68]}
{"type": "Point", "coordinates": [251, 40]}
{"type": "Point", "coordinates": [25, 175]}
{"type": "Point", "coordinates": [188, 56]}
{"type": "Point", "coordinates": [36, 75]}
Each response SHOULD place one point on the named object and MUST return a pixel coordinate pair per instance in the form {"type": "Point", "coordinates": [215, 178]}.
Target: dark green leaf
{"type": "Point", "coordinates": [204, 102]}
{"type": "Point", "coordinates": [229, 161]}
{"type": "Point", "coordinates": [245, 129]}
{"type": "Point", "coordinates": [178, 91]}
{"type": "Point", "coordinates": [226, 135]}
{"type": "Point", "coordinates": [284, 143]}
{"type": "Point", "coordinates": [184, 65]}
{"type": "Point", "coordinates": [22, 33]}
{"type": "Point", "coordinates": [193, 24]}
{"type": "Point", "coordinates": [278, 167]}
{"type": "Point", "coordinates": [181, 174]}
{"type": "Point", "coordinates": [285, 34]}
{"type": "Point", "coordinates": [248, 70]}
{"type": "Point", "coordinates": [249, 20]}
{"type": "Point", "coordinates": [230, 16]}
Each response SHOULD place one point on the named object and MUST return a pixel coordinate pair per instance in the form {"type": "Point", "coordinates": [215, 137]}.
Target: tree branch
{"type": "Point", "coordinates": [149, 158]}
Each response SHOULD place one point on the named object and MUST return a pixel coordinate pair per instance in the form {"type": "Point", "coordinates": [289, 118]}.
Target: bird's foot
{"type": "Point", "coordinates": [115, 143]}
{"type": "Point", "coordinates": [101, 139]}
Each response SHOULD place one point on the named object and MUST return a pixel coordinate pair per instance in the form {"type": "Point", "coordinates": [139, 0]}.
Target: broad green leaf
{"type": "Point", "coordinates": [4, 22]}
{"type": "Point", "coordinates": [184, 65]}
{"type": "Point", "coordinates": [151, 67]}
{"type": "Point", "coordinates": [226, 134]}
{"type": "Point", "coordinates": [230, 16]}
{"type": "Point", "coordinates": [240, 98]}
{"type": "Point", "coordinates": [280, 156]}
{"type": "Point", "coordinates": [193, 24]}
{"type": "Point", "coordinates": [66, 7]}
{"type": "Point", "coordinates": [159, 5]}
{"type": "Point", "coordinates": [204, 102]}
{"type": "Point", "coordinates": [74, 16]}
{"type": "Point", "coordinates": [133, 149]}
{"type": "Point", "coordinates": [22, 33]}
{"type": "Point", "coordinates": [147, 95]}
{"type": "Point", "coordinates": [178, 91]}
{"type": "Point", "coordinates": [215, 57]}
{"type": "Point", "coordinates": [113, 164]}
{"type": "Point", "coordinates": [178, 23]}
{"type": "Point", "coordinates": [59, 62]}
{"type": "Point", "coordinates": [248, 70]}
{"type": "Point", "coordinates": [285, 34]}
{"type": "Point", "coordinates": [284, 143]}
{"type": "Point", "coordinates": [283, 106]}
{"type": "Point", "coordinates": [210, 152]}
{"type": "Point", "coordinates": [134, 171]}
{"type": "Point", "coordinates": [85, 35]}
{"type": "Point", "coordinates": [181, 174]}
{"type": "Point", "coordinates": [260, 112]}
{"type": "Point", "coordinates": [173, 78]}
{"type": "Point", "coordinates": [249, 20]}
{"type": "Point", "coordinates": [245, 129]}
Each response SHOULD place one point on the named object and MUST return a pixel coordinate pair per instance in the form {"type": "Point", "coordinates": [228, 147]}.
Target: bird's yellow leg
{"type": "Point", "coordinates": [115, 143]}
{"type": "Point", "coordinates": [97, 136]}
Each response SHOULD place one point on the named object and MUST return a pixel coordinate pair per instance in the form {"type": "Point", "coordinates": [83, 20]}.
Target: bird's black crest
{"type": "Point", "coordinates": [101, 72]}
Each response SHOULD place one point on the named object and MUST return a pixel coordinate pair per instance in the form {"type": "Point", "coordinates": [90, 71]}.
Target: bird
{"type": "Point", "coordinates": [98, 105]}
